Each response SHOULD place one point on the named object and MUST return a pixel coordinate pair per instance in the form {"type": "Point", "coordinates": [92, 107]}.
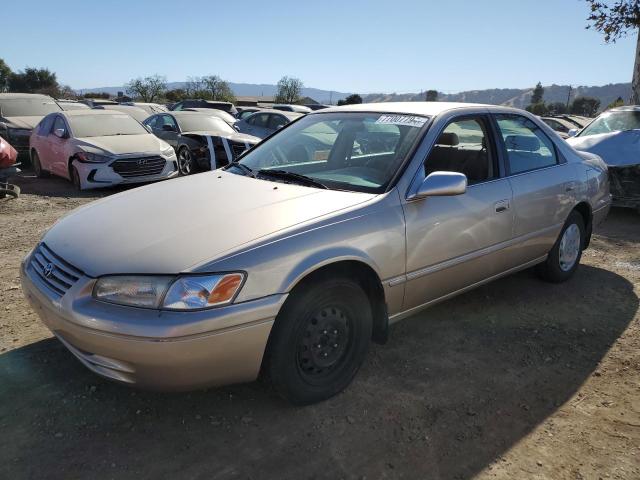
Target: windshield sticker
{"type": "Point", "coordinates": [408, 120]}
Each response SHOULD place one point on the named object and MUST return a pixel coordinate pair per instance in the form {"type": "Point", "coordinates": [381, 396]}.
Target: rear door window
{"type": "Point", "coordinates": [527, 146]}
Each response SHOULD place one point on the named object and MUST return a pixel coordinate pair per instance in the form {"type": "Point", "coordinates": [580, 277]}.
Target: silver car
{"type": "Point", "coordinates": [292, 262]}
{"type": "Point", "coordinates": [265, 122]}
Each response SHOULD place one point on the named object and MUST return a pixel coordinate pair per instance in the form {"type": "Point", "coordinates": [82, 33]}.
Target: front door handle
{"type": "Point", "coordinates": [502, 206]}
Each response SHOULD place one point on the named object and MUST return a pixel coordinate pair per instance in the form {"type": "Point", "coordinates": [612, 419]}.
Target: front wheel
{"type": "Point", "coordinates": [37, 167]}
{"type": "Point", "coordinates": [319, 340]}
{"type": "Point", "coordinates": [564, 257]}
{"type": "Point", "coordinates": [186, 163]}
{"type": "Point", "coordinates": [75, 178]}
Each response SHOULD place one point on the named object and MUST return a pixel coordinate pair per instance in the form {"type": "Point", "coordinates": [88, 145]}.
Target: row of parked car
{"type": "Point", "coordinates": [99, 142]}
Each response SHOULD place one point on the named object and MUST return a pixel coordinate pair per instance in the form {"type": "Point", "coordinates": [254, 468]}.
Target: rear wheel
{"type": "Point", "coordinates": [186, 162]}
{"type": "Point", "coordinates": [564, 257]}
{"type": "Point", "coordinates": [319, 340]}
{"type": "Point", "coordinates": [37, 167]}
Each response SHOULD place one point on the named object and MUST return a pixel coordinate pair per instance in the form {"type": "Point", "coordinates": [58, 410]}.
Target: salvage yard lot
{"type": "Point", "coordinates": [517, 379]}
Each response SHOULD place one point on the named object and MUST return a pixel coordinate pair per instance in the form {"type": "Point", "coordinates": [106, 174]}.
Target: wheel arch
{"type": "Point", "coordinates": [584, 209]}
{"type": "Point", "coordinates": [362, 273]}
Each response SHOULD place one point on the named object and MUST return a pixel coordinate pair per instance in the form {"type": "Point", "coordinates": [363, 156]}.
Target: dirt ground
{"type": "Point", "coordinates": [518, 379]}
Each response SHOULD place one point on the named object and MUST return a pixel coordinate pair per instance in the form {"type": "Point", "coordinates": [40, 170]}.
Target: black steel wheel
{"type": "Point", "coordinates": [319, 340]}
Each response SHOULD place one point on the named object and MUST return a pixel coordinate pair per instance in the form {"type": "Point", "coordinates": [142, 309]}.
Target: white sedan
{"type": "Point", "coordinates": [99, 148]}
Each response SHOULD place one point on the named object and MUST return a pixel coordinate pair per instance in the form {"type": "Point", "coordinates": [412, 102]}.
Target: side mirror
{"type": "Point", "coordinates": [60, 133]}
{"type": "Point", "coordinates": [168, 128]}
{"type": "Point", "coordinates": [441, 184]}
{"type": "Point", "coordinates": [573, 132]}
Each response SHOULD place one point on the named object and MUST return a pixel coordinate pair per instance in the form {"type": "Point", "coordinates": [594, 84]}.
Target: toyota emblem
{"type": "Point", "coordinates": [47, 270]}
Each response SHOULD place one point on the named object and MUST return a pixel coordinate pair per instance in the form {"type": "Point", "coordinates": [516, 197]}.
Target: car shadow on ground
{"type": "Point", "coordinates": [455, 387]}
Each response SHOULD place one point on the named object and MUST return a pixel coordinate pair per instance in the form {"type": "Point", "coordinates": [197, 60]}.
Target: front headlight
{"type": "Point", "coordinates": [189, 292]}
{"type": "Point", "coordinates": [92, 157]}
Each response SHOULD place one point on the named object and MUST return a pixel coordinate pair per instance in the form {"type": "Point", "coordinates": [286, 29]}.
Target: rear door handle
{"type": "Point", "coordinates": [502, 206]}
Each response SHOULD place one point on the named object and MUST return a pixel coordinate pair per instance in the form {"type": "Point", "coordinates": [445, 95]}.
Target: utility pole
{"type": "Point", "coordinates": [568, 98]}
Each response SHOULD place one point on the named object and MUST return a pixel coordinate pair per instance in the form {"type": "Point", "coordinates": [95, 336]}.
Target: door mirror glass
{"type": "Point", "coordinates": [60, 133]}
{"type": "Point", "coordinates": [573, 132]}
{"type": "Point", "coordinates": [441, 184]}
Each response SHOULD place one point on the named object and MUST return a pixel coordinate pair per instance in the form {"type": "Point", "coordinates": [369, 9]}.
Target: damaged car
{"type": "Point", "coordinates": [99, 148]}
{"type": "Point", "coordinates": [19, 113]}
{"type": "Point", "coordinates": [615, 137]}
{"type": "Point", "coordinates": [202, 141]}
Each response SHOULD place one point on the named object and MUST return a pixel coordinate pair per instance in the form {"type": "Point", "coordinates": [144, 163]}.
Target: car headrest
{"type": "Point", "coordinates": [448, 138]}
{"type": "Point", "coordinates": [524, 143]}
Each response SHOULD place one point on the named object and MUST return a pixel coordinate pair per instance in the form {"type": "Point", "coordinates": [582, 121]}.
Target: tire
{"type": "Point", "coordinates": [319, 340]}
{"type": "Point", "coordinates": [559, 266]}
{"type": "Point", "coordinates": [75, 177]}
{"type": "Point", "coordinates": [186, 162]}
{"type": "Point", "coordinates": [37, 167]}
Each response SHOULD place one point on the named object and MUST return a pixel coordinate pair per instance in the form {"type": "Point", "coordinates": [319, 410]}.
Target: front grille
{"type": "Point", "coordinates": [57, 274]}
{"type": "Point", "coordinates": [139, 166]}
{"type": "Point", "coordinates": [237, 149]}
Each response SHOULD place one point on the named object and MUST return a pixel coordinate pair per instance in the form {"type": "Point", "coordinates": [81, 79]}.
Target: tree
{"type": "Point", "coordinates": [34, 80]}
{"type": "Point", "coordinates": [618, 102]}
{"type": "Point", "coordinates": [616, 19]}
{"type": "Point", "coordinates": [539, 108]}
{"type": "Point", "coordinates": [289, 90]}
{"type": "Point", "coordinates": [537, 94]}
{"type": "Point", "coordinates": [5, 74]}
{"type": "Point", "coordinates": [218, 89]}
{"type": "Point", "coordinates": [352, 99]}
{"type": "Point", "coordinates": [148, 88]}
{"type": "Point", "coordinates": [175, 95]}
{"type": "Point", "coordinates": [587, 106]}
{"type": "Point", "coordinates": [432, 96]}
{"type": "Point", "coordinates": [65, 91]}
{"type": "Point", "coordinates": [194, 87]}
{"type": "Point", "coordinates": [557, 108]}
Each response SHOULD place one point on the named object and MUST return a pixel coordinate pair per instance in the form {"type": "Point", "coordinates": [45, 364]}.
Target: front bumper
{"type": "Point", "coordinates": [97, 175]}
{"type": "Point", "coordinates": [156, 349]}
{"type": "Point", "coordinates": [625, 185]}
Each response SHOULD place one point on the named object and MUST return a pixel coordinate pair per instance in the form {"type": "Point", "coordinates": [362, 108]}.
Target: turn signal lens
{"type": "Point", "coordinates": [202, 291]}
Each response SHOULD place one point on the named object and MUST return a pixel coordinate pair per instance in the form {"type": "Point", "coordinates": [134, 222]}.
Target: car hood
{"type": "Point", "coordinates": [121, 144]}
{"type": "Point", "coordinates": [236, 137]}
{"type": "Point", "coordinates": [21, 122]}
{"type": "Point", "coordinates": [617, 149]}
{"type": "Point", "coordinates": [171, 227]}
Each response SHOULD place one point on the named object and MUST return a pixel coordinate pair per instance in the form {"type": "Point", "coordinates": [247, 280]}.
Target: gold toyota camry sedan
{"type": "Point", "coordinates": [292, 259]}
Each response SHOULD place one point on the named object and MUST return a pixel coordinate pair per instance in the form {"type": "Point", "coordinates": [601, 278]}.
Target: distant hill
{"type": "Point", "coordinates": [515, 97]}
{"type": "Point", "coordinates": [246, 90]}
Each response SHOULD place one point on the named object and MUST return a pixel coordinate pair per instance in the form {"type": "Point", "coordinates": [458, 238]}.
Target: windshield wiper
{"type": "Point", "coordinates": [285, 175]}
{"type": "Point", "coordinates": [247, 171]}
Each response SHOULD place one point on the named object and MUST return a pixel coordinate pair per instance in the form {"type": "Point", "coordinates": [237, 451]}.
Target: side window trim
{"type": "Point", "coordinates": [560, 160]}
{"type": "Point", "coordinates": [492, 145]}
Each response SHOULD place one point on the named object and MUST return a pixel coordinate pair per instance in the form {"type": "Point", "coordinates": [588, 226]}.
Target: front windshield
{"type": "Point", "coordinates": [104, 125]}
{"type": "Point", "coordinates": [27, 107]}
{"type": "Point", "coordinates": [203, 123]}
{"type": "Point", "coordinates": [613, 122]}
{"type": "Point", "coordinates": [344, 151]}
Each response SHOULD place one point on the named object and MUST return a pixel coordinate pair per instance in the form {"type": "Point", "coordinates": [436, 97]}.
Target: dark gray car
{"type": "Point", "coordinates": [19, 113]}
{"type": "Point", "coordinates": [264, 123]}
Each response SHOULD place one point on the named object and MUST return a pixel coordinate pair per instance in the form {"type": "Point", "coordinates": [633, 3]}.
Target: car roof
{"type": "Point", "coordinates": [91, 111]}
{"type": "Point", "coordinates": [24, 95]}
{"type": "Point", "coordinates": [410, 108]}
{"type": "Point", "coordinates": [625, 108]}
{"type": "Point", "coordinates": [286, 113]}
{"type": "Point", "coordinates": [181, 113]}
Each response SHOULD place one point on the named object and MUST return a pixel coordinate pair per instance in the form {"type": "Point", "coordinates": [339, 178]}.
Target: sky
{"type": "Point", "coordinates": [375, 46]}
